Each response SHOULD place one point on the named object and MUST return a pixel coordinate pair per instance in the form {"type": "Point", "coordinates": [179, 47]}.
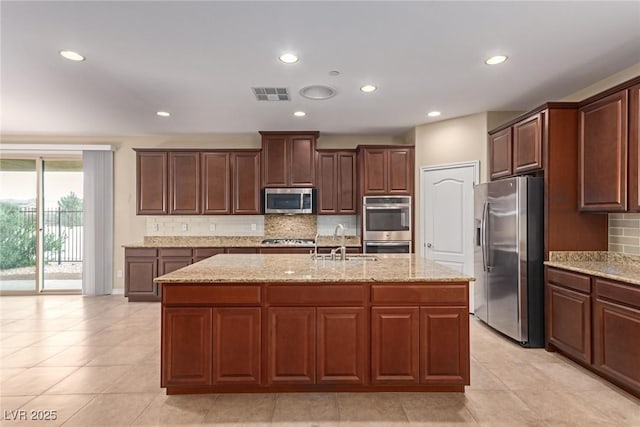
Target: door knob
{"type": "Point", "coordinates": [429, 245]}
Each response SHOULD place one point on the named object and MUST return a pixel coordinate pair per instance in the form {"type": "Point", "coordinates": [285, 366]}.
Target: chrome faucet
{"type": "Point", "coordinates": [342, 249]}
{"type": "Point", "coordinates": [314, 254]}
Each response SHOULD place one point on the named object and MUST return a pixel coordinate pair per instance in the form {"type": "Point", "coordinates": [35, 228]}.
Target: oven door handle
{"type": "Point", "coordinates": [386, 244]}
{"type": "Point", "coordinates": [387, 207]}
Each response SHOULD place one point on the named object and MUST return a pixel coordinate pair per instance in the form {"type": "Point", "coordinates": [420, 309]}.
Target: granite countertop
{"type": "Point", "coordinates": [232, 241]}
{"type": "Point", "coordinates": [301, 268]}
{"type": "Point", "coordinates": [610, 265]}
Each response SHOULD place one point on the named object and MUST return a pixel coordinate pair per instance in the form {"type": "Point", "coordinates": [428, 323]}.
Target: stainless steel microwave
{"type": "Point", "coordinates": [289, 200]}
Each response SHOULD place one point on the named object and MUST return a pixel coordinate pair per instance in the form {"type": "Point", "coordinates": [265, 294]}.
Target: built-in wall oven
{"type": "Point", "coordinates": [386, 224]}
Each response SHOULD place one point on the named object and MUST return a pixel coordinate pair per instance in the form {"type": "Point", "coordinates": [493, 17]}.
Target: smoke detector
{"type": "Point", "coordinates": [317, 92]}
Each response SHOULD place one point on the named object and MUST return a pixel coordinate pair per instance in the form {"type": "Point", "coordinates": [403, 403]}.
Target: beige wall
{"type": "Point", "coordinates": [131, 228]}
{"type": "Point", "coordinates": [604, 84]}
{"type": "Point", "coordinates": [352, 141]}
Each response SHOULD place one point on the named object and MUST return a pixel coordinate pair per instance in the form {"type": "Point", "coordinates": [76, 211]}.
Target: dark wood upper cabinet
{"type": "Point", "coordinates": [527, 144]}
{"type": "Point", "coordinates": [231, 182]}
{"type": "Point", "coordinates": [246, 182]}
{"type": "Point", "coordinates": [634, 148]}
{"type": "Point", "coordinates": [336, 181]}
{"type": "Point", "coordinates": [184, 183]}
{"type": "Point", "coordinates": [288, 159]}
{"type": "Point", "coordinates": [375, 170]}
{"type": "Point", "coordinates": [151, 183]}
{"type": "Point", "coordinates": [603, 147]}
{"type": "Point", "coordinates": [216, 183]}
{"type": "Point", "coordinates": [387, 170]}
{"type": "Point", "coordinates": [302, 160]}
{"type": "Point", "coordinates": [347, 182]}
{"type": "Point", "coordinates": [400, 170]}
{"type": "Point", "coordinates": [274, 161]}
{"type": "Point", "coordinates": [500, 154]}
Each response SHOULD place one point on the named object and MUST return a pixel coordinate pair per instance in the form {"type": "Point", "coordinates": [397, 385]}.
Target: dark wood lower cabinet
{"type": "Point", "coordinates": [313, 337]}
{"type": "Point", "coordinates": [291, 348]}
{"type": "Point", "coordinates": [596, 322]}
{"type": "Point", "coordinates": [182, 329]}
{"type": "Point", "coordinates": [617, 342]}
{"type": "Point", "coordinates": [236, 345]}
{"type": "Point", "coordinates": [444, 337]}
{"type": "Point", "coordinates": [616, 332]}
{"type": "Point", "coordinates": [341, 345]}
{"type": "Point", "coordinates": [140, 268]}
{"type": "Point", "coordinates": [569, 316]}
{"type": "Point", "coordinates": [395, 345]}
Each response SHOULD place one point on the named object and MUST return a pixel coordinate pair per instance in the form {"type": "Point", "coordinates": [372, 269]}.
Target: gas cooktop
{"type": "Point", "coordinates": [292, 242]}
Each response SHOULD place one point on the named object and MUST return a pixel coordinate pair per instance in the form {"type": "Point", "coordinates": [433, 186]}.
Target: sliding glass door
{"type": "Point", "coordinates": [62, 225]}
{"type": "Point", "coordinates": [18, 225]}
{"type": "Point", "coordinates": [41, 225]}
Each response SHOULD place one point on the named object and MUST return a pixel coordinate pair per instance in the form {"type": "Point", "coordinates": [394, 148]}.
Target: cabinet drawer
{"type": "Point", "coordinates": [567, 279]}
{"type": "Point", "coordinates": [206, 252]}
{"type": "Point", "coordinates": [165, 252]}
{"type": "Point", "coordinates": [147, 252]}
{"type": "Point", "coordinates": [438, 294]}
{"type": "Point", "coordinates": [210, 294]}
{"type": "Point", "coordinates": [616, 291]}
{"type": "Point", "coordinates": [316, 295]}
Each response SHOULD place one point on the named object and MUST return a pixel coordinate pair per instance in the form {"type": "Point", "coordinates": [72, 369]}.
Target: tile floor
{"type": "Point", "coordinates": [95, 361]}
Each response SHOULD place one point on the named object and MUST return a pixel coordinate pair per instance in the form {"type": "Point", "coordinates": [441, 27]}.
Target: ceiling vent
{"type": "Point", "coordinates": [271, 93]}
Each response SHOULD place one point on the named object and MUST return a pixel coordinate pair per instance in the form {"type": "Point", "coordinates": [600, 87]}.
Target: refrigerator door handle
{"type": "Point", "coordinates": [486, 254]}
{"type": "Point", "coordinates": [483, 236]}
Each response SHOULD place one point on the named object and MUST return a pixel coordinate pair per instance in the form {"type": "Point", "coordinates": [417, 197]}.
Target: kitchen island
{"type": "Point", "coordinates": [276, 323]}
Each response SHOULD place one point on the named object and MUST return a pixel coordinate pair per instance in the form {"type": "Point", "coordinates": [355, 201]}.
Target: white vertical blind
{"type": "Point", "coordinates": [97, 272]}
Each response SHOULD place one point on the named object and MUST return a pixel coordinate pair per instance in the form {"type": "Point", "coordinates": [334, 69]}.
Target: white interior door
{"type": "Point", "coordinates": [447, 216]}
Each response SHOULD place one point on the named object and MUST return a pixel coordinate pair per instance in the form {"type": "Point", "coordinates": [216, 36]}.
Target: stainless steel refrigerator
{"type": "Point", "coordinates": [508, 257]}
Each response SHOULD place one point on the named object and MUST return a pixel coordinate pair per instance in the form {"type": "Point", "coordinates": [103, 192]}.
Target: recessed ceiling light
{"type": "Point", "coordinates": [494, 60]}
{"type": "Point", "coordinates": [163, 113]}
{"type": "Point", "coordinates": [71, 55]}
{"type": "Point", "coordinates": [368, 88]}
{"type": "Point", "coordinates": [433, 113]}
{"type": "Point", "coordinates": [299, 114]}
{"type": "Point", "coordinates": [289, 58]}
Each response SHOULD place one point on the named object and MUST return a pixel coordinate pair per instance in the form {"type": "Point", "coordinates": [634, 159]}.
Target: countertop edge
{"type": "Point", "coordinates": [570, 265]}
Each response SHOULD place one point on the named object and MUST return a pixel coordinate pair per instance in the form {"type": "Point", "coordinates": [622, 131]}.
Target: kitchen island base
{"type": "Point", "coordinates": [315, 336]}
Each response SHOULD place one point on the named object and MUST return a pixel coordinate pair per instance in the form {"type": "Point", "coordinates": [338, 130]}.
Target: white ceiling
{"type": "Point", "coordinates": [199, 60]}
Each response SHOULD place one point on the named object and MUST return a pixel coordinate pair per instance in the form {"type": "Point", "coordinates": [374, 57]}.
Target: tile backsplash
{"type": "Point", "coordinates": [205, 225]}
{"type": "Point", "coordinates": [300, 226]}
{"type": "Point", "coordinates": [624, 233]}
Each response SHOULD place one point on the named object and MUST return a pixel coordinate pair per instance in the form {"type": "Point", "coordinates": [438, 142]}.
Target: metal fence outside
{"type": "Point", "coordinates": [64, 225]}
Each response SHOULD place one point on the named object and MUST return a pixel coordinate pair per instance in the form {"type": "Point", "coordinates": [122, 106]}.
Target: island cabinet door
{"type": "Point", "coordinates": [394, 345]}
{"type": "Point", "coordinates": [236, 345]}
{"type": "Point", "coordinates": [444, 345]}
{"type": "Point", "coordinates": [291, 346]}
{"type": "Point", "coordinates": [342, 345]}
{"type": "Point", "coordinates": [186, 346]}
